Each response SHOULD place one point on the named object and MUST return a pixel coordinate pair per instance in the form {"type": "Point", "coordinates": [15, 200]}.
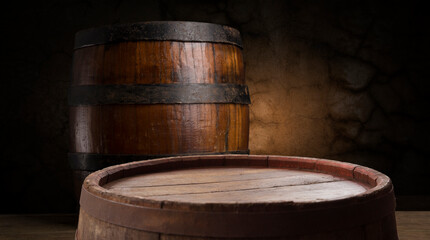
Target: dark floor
{"type": "Point", "coordinates": [38, 227]}
{"type": "Point", "coordinates": [410, 224]}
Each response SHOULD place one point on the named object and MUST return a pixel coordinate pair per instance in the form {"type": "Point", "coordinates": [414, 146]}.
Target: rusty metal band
{"type": "Point", "coordinates": [238, 224]}
{"type": "Point", "coordinates": [158, 94]}
{"type": "Point", "coordinates": [94, 161]}
{"type": "Point", "coordinates": [158, 31]}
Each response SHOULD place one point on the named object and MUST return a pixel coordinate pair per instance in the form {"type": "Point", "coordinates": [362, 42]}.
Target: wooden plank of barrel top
{"type": "Point", "coordinates": [237, 196]}
{"type": "Point", "coordinates": [156, 89]}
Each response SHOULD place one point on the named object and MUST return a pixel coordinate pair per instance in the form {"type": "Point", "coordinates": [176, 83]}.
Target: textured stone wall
{"type": "Point", "coordinates": [345, 80]}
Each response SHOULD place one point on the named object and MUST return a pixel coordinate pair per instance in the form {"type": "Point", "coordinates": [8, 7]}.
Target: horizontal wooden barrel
{"type": "Point", "coordinates": [237, 197]}
{"type": "Point", "coordinates": [156, 89]}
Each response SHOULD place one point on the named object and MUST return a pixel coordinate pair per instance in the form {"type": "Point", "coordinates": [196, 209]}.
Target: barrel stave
{"type": "Point", "coordinates": [152, 62]}
{"type": "Point", "coordinates": [155, 89]}
{"type": "Point", "coordinates": [166, 197]}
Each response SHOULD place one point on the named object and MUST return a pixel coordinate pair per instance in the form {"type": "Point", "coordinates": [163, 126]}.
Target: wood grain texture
{"type": "Point", "coordinates": [159, 128]}
{"type": "Point", "coordinates": [92, 228]}
{"type": "Point", "coordinates": [156, 129]}
{"type": "Point", "coordinates": [410, 224]}
{"type": "Point", "coordinates": [161, 62]}
{"type": "Point", "coordinates": [236, 185]}
{"type": "Point", "coordinates": [413, 225]}
{"type": "Point", "coordinates": [243, 196]}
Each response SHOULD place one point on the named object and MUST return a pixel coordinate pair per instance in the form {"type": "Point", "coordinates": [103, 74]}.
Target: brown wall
{"type": "Point", "coordinates": [330, 79]}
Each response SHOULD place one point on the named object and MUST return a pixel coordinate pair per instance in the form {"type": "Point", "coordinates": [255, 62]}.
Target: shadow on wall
{"type": "Point", "coordinates": [327, 79]}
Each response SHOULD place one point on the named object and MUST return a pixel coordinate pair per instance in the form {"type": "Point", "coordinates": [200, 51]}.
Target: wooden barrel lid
{"type": "Point", "coordinates": [238, 195]}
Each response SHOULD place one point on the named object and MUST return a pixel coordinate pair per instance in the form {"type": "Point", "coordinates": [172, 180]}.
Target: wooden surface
{"type": "Point", "coordinates": [38, 227]}
{"type": "Point", "coordinates": [411, 225]}
{"type": "Point", "coordinates": [236, 185]}
{"type": "Point", "coordinates": [238, 196]}
{"type": "Point", "coordinates": [151, 62]}
{"type": "Point", "coordinates": [159, 128]}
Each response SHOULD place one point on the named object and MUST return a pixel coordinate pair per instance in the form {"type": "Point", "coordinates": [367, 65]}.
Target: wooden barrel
{"type": "Point", "coordinates": [156, 89]}
{"type": "Point", "coordinates": [237, 197]}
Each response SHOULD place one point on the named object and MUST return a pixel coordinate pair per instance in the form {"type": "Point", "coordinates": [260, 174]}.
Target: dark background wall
{"type": "Point", "coordinates": [346, 80]}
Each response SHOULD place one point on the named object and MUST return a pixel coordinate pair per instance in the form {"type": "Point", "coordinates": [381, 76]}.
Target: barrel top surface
{"type": "Point", "coordinates": [236, 185]}
{"type": "Point", "coordinates": [158, 31]}
{"type": "Point", "coordinates": [237, 195]}
{"type": "Point", "coordinates": [235, 180]}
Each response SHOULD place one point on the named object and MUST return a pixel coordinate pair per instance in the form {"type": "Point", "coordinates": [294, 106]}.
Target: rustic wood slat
{"type": "Point", "coordinates": [117, 123]}
{"type": "Point", "coordinates": [315, 192]}
{"type": "Point", "coordinates": [93, 228]}
{"type": "Point", "coordinates": [410, 224]}
{"type": "Point", "coordinates": [239, 196]}
{"type": "Point", "coordinates": [230, 120]}
{"type": "Point", "coordinates": [203, 175]}
{"type": "Point", "coordinates": [235, 185]}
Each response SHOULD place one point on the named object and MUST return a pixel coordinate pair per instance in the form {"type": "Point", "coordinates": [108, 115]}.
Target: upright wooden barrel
{"type": "Point", "coordinates": [156, 89]}
{"type": "Point", "coordinates": [237, 197]}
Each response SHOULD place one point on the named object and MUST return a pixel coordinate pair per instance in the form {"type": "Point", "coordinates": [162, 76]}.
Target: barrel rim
{"type": "Point", "coordinates": [183, 31]}
{"type": "Point", "coordinates": [377, 182]}
{"type": "Point", "coordinates": [234, 220]}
